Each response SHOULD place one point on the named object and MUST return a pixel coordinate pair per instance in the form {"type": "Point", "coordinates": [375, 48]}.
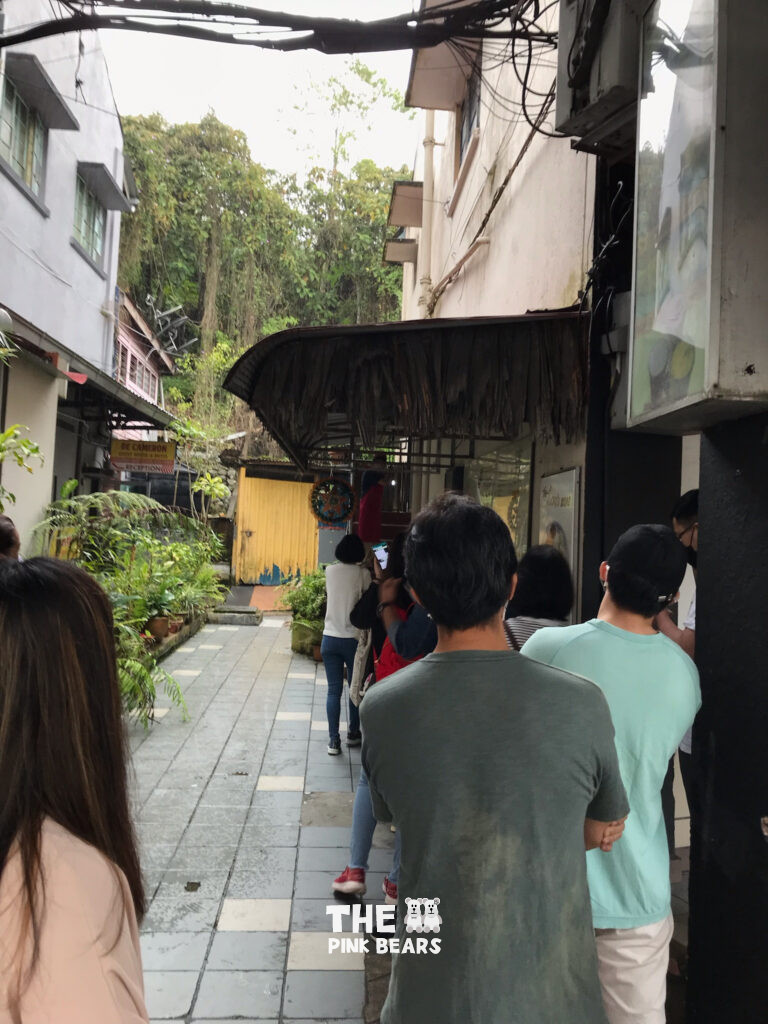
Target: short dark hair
{"type": "Point", "coordinates": [350, 549]}
{"type": "Point", "coordinates": [7, 535]}
{"type": "Point", "coordinates": [544, 585]}
{"type": "Point", "coordinates": [460, 560]}
{"type": "Point", "coordinates": [686, 508]}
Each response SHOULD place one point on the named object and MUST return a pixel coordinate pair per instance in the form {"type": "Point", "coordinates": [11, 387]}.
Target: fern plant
{"type": "Point", "coordinates": [150, 561]}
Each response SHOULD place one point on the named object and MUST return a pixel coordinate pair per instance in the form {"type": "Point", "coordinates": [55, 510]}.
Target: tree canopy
{"type": "Point", "coordinates": [247, 252]}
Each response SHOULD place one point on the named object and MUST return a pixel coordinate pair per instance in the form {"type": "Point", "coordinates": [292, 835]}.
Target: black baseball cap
{"type": "Point", "coordinates": [653, 553]}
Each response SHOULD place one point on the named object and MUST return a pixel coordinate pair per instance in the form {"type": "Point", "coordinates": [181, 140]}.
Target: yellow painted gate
{"type": "Point", "coordinates": [275, 532]}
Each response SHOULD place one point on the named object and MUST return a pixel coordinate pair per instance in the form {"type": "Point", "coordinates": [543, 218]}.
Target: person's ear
{"type": "Point", "coordinates": [415, 596]}
{"type": "Point", "coordinates": [603, 571]}
{"type": "Point", "coordinates": [513, 588]}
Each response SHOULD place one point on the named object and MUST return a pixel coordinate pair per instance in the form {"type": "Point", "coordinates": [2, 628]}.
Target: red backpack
{"type": "Point", "coordinates": [389, 660]}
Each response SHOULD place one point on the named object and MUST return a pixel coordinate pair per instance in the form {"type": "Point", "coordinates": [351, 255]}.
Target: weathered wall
{"type": "Point", "coordinates": [276, 533]}
{"type": "Point", "coordinates": [42, 277]}
{"type": "Point", "coordinates": [540, 232]}
{"type": "Point", "coordinates": [32, 401]}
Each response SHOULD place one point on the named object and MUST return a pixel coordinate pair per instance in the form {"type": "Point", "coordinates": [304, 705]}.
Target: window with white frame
{"type": "Point", "coordinates": [470, 111]}
{"type": "Point", "coordinates": [22, 137]}
{"type": "Point", "coordinates": [90, 218]}
{"type": "Point", "coordinates": [136, 373]}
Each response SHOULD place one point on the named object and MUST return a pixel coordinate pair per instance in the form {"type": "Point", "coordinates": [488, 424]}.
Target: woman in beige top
{"type": "Point", "coordinates": [70, 882]}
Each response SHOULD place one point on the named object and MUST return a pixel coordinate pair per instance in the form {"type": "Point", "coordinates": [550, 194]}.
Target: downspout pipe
{"type": "Point", "coordinates": [428, 206]}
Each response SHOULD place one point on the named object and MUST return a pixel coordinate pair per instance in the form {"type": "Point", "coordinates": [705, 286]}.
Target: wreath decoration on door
{"type": "Point", "coordinates": [332, 501]}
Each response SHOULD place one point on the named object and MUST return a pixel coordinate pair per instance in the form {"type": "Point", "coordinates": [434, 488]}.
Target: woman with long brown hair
{"type": "Point", "coordinates": [70, 882]}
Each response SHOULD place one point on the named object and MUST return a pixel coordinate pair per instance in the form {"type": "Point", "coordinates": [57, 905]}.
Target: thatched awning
{"type": "Point", "coordinates": [364, 387]}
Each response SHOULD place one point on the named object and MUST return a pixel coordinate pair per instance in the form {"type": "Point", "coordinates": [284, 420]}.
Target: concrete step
{"type": "Point", "coordinates": [236, 615]}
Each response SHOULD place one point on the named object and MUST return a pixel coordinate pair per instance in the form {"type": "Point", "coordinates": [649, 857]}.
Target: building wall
{"type": "Point", "coordinates": [32, 401]}
{"type": "Point", "coordinates": [42, 277]}
{"type": "Point", "coordinates": [540, 232]}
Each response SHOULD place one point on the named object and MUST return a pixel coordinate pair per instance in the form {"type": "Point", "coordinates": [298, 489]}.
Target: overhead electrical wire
{"type": "Point", "coordinates": [483, 36]}
{"type": "Point", "coordinates": [202, 19]}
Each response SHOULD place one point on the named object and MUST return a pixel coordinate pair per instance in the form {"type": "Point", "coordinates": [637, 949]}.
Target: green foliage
{"type": "Point", "coordinates": [12, 445]}
{"type": "Point", "coordinates": [21, 451]}
{"type": "Point", "coordinates": [247, 252]}
{"type": "Point", "coordinates": [68, 488]}
{"type": "Point", "coordinates": [306, 597]}
{"type": "Point", "coordinates": [212, 489]}
{"type": "Point", "coordinates": [149, 561]}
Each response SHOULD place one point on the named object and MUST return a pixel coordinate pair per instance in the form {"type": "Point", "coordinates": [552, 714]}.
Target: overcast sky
{"type": "Point", "coordinates": [257, 91]}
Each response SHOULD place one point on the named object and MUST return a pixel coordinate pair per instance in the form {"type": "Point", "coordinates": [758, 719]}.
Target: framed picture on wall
{"type": "Point", "coordinates": [559, 514]}
{"type": "Point", "coordinates": [501, 479]}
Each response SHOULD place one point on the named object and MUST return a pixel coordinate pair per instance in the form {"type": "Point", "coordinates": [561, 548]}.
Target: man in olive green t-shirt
{"type": "Point", "coordinates": [497, 771]}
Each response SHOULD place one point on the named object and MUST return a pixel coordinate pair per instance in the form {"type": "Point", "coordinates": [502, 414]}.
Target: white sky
{"type": "Point", "coordinates": [257, 90]}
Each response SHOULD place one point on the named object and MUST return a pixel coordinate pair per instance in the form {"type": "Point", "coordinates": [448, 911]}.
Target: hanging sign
{"type": "Point", "coordinates": [143, 456]}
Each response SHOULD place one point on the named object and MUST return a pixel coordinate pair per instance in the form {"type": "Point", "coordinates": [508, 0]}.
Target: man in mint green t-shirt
{"type": "Point", "coordinates": [652, 689]}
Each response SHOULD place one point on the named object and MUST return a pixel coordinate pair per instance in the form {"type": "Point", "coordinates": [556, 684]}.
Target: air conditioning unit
{"type": "Point", "coordinates": [597, 71]}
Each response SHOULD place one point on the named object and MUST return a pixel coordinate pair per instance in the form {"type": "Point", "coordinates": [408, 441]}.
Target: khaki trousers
{"type": "Point", "coordinates": [632, 964]}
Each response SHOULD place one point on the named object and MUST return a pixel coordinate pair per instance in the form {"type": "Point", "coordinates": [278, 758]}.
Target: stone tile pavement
{"type": "Point", "coordinates": [243, 822]}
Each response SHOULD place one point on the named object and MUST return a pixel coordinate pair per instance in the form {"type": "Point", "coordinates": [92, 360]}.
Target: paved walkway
{"type": "Point", "coordinates": [243, 822]}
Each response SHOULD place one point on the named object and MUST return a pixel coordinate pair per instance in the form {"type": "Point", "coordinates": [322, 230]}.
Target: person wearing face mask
{"type": "Point", "coordinates": [653, 693]}
{"type": "Point", "coordinates": [685, 523]}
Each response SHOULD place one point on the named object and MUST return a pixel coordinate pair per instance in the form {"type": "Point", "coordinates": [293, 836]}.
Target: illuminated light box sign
{"type": "Point", "coordinates": [699, 350]}
{"type": "Point", "coordinates": [143, 456]}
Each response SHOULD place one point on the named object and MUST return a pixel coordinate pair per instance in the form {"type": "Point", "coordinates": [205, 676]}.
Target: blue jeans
{"type": "Point", "coordinates": [363, 825]}
{"type": "Point", "coordinates": [337, 652]}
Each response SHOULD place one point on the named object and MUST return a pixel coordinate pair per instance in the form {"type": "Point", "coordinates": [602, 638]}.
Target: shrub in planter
{"type": "Point", "coordinates": [153, 563]}
{"type": "Point", "coordinates": [306, 598]}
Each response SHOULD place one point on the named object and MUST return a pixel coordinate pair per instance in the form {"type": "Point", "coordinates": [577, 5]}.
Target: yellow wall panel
{"type": "Point", "coordinates": [276, 531]}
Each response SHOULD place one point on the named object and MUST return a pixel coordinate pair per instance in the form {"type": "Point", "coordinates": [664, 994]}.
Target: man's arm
{"type": "Point", "coordinates": [602, 833]}
{"type": "Point", "coordinates": [380, 809]}
{"type": "Point", "coordinates": [609, 807]}
{"type": "Point", "coordinates": [685, 638]}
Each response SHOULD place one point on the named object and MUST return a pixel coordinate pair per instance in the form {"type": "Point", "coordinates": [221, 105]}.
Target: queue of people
{"type": "Point", "coordinates": [500, 741]}
{"type": "Point", "coordinates": [513, 773]}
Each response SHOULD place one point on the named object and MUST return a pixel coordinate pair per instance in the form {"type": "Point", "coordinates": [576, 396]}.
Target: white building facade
{"type": "Point", "coordinates": [63, 190]}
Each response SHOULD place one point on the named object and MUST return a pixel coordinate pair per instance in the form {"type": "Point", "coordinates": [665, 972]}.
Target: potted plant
{"type": "Point", "coordinates": [158, 613]}
{"type": "Point", "coordinates": [306, 598]}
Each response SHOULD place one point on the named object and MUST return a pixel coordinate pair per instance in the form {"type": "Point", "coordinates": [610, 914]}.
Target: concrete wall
{"type": "Point", "coordinates": [42, 277]}
{"type": "Point", "coordinates": [32, 402]}
{"type": "Point", "coordinates": [540, 232]}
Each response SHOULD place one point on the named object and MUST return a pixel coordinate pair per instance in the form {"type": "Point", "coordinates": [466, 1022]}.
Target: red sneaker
{"type": "Point", "coordinates": [351, 881]}
{"type": "Point", "coordinates": [390, 892]}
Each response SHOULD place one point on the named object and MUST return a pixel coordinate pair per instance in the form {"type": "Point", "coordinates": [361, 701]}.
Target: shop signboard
{"type": "Point", "coordinates": [698, 348]}
{"type": "Point", "coordinates": [674, 207]}
{"type": "Point", "coordinates": [143, 456]}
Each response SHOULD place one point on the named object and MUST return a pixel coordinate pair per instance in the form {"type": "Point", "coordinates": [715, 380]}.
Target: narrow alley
{"type": "Point", "coordinates": [243, 822]}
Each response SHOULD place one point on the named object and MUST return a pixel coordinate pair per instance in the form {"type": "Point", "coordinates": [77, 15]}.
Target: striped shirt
{"type": "Point", "coordinates": [522, 627]}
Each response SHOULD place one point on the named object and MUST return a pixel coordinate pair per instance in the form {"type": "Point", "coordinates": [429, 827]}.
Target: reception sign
{"type": "Point", "coordinates": [143, 456]}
